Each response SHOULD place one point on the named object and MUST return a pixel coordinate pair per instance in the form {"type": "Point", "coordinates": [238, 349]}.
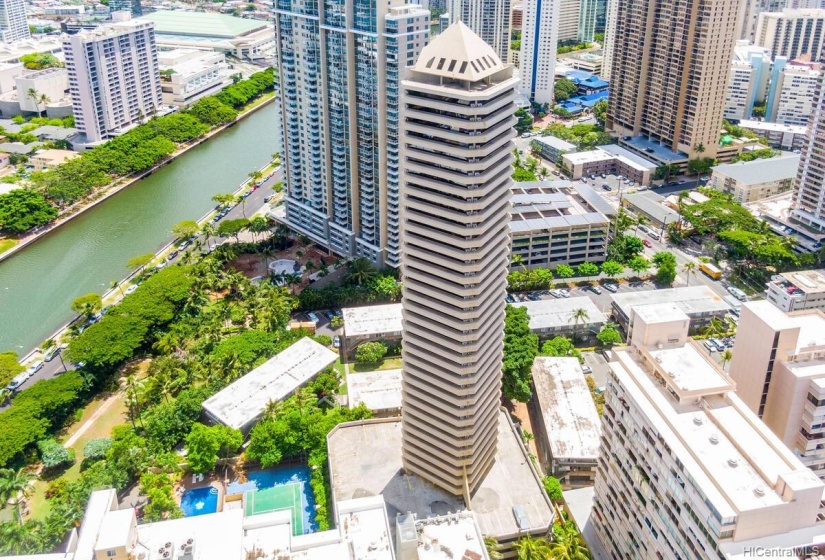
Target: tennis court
{"type": "Point", "coordinates": [287, 496]}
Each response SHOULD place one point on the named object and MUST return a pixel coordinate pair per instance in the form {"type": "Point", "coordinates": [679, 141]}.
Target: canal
{"type": "Point", "coordinates": [38, 285]}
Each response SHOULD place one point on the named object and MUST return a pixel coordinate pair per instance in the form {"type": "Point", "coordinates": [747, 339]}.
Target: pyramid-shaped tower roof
{"type": "Point", "coordinates": [460, 54]}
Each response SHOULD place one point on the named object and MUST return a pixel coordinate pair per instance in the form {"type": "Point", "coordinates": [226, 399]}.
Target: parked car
{"type": "Point", "coordinates": [172, 255]}
{"type": "Point", "coordinates": [643, 228]}
{"type": "Point", "coordinates": [312, 317]}
{"type": "Point", "coordinates": [594, 289]}
{"type": "Point", "coordinates": [564, 292]}
{"type": "Point", "coordinates": [610, 287]}
{"type": "Point", "coordinates": [647, 243]}
{"type": "Point", "coordinates": [18, 380]}
{"type": "Point", "coordinates": [709, 345]}
{"type": "Point", "coordinates": [737, 293]}
{"type": "Point", "coordinates": [268, 198]}
{"type": "Point", "coordinates": [328, 314]}
{"type": "Point", "coordinates": [607, 187]}
{"type": "Point", "coordinates": [34, 368]}
{"type": "Point", "coordinates": [52, 353]}
{"type": "Point", "coordinates": [336, 341]}
{"type": "Point", "coordinates": [184, 244]}
{"type": "Point", "coordinates": [131, 289]}
{"type": "Point", "coordinates": [718, 344]}
{"type": "Point", "coordinates": [510, 299]}
{"type": "Point", "coordinates": [587, 369]}
{"type": "Point", "coordinates": [653, 234]}
{"type": "Point", "coordinates": [533, 297]}
{"type": "Point", "coordinates": [556, 293]}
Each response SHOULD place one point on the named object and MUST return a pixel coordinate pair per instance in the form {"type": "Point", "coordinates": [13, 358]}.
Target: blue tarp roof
{"type": "Point", "coordinates": [585, 100]}
{"type": "Point", "coordinates": [594, 82]}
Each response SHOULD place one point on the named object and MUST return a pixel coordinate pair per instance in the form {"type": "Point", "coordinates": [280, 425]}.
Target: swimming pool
{"type": "Point", "coordinates": [258, 481]}
{"type": "Point", "coordinates": [199, 501]}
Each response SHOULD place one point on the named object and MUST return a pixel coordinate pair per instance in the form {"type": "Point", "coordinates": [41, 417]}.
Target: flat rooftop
{"type": "Point", "coordinates": [556, 143]}
{"type": "Point", "coordinates": [806, 281]}
{"type": "Point", "coordinates": [761, 171]}
{"type": "Point", "coordinates": [202, 24]}
{"type": "Point", "coordinates": [570, 418]}
{"type": "Point", "coordinates": [450, 536]}
{"type": "Point", "coordinates": [628, 158]}
{"type": "Point", "coordinates": [659, 313]}
{"type": "Point", "coordinates": [377, 390]}
{"type": "Point", "coordinates": [216, 536]}
{"type": "Point", "coordinates": [590, 156]}
{"type": "Point", "coordinates": [373, 319]}
{"type": "Point", "coordinates": [365, 460]}
{"type": "Point", "coordinates": [652, 204]}
{"type": "Point", "coordinates": [541, 205]}
{"type": "Point", "coordinates": [774, 127]}
{"type": "Point", "coordinates": [690, 299]}
{"type": "Point", "coordinates": [731, 457]}
{"type": "Point", "coordinates": [656, 150]}
{"type": "Point", "coordinates": [549, 313]}
{"type": "Point", "coordinates": [243, 401]}
{"type": "Point", "coordinates": [687, 369]}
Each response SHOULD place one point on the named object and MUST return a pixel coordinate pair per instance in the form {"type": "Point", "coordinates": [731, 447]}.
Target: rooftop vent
{"type": "Point", "coordinates": [714, 439]}
{"type": "Point", "coordinates": [733, 462]}
{"type": "Point", "coordinates": [758, 491]}
{"type": "Point", "coordinates": [698, 420]}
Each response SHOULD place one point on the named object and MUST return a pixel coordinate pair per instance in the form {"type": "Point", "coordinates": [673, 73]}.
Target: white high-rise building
{"type": "Point", "coordinates": [489, 19]}
{"type": "Point", "coordinates": [457, 117]}
{"type": "Point", "coordinates": [13, 24]}
{"type": "Point", "coordinates": [114, 77]}
{"type": "Point", "coordinates": [568, 17]}
{"type": "Point", "coordinates": [792, 93]}
{"type": "Point", "coordinates": [339, 64]}
{"type": "Point", "coordinates": [750, 72]}
{"type": "Point", "coordinates": [539, 41]}
{"type": "Point", "coordinates": [750, 15]}
{"type": "Point", "coordinates": [808, 205]}
{"type": "Point", "coordinates": [686, 470]}
{"type": "Point", "coordinates": [611, 18]}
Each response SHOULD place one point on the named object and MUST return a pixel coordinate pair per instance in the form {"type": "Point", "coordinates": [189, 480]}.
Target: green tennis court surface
{"type": "Point", "coordinates": [287, 496]}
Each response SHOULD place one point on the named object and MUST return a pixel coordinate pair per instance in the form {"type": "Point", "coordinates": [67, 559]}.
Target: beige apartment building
{"type": "Point", "coordinates": [457, 126]}
{"type": "Point", "coordinates": [748, 181]}
{"type": "Point", "coordinates": [686, 470]}
{"type": "Point", "coordinates": [779, 367]}
{"type": "Point", "coordinates": [670, 70]}
{"type": "Point", "coordinates": [791, 33]}
{"type": "Point", "coordinates": [795, 291]}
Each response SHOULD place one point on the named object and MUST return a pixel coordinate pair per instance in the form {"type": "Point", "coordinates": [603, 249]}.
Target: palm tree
{"type": "Point", "coordinates": [133, 388]}
{"type": "Point", "coordinates": [360, 271]}
{"type": "Point", "coordinates": [240, 199]}
{"type": "Point", "coordinates": [273, 409]}
{"type": "Point", "coordinates": [256, 176]}
{"type": "Point", "coordinates": [116, 284]}
{"type": "Point", "coordinates": [715, 328]}
{"type": "Point", "coordinates": [518, 260]}
{"type": "Point", "coordinates": [688, 268]}
{"type": "Point", "coordinates": [39, 99]}
{"type": "Point", "coordinates": [207, 230]}
{"type": "Point", "coordinates": [567, 544]}
{"type": "Point", "coordinates": [491, 544]}
{"type": "Point", "coordinates": [579, 315]}
{"type": "Point", "coordinates": [528, 548]}
{"type": "Point", "coordinates": [14, 487]}
{"type": "Point", "coordinates": [726, 357]}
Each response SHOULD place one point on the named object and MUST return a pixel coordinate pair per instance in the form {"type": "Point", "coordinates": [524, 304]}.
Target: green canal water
{"type": "Point", "coordinates": [38, 284]}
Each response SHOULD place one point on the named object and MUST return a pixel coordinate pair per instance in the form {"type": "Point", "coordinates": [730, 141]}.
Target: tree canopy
{"type": "Point", "coordinates": [21, 210]}
{"type": "Point", "coordinates": [87, 305]}
{"type": "Point", "coordinates": [9, 367]}
{"type": "Point", "coordinates": [525, 120]}
{"type": "Point", "coordinates": [564, 89]}
{"type": "Point", "coordinates": [584, 136]}
{"type": "Point", "coordinates": [205, 445]}
{"type": "Point", "coordinates": [520, 349]}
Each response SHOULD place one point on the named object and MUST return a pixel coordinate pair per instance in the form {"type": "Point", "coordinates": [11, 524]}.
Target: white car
{"type": "Point", "coordinates": [131, 289]}
{"type": "Point", "coordinates": [34, 368]}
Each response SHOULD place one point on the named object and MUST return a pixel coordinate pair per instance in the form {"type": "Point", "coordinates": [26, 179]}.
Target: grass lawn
{"type": "Point", "coordinates": [262, 99]}
{"type": "Point", "coordinates": [6, 244]}
{"type": "Point", "coordinates": [114, 415]}
{"type": "Point", "coordinates": [386, 363]}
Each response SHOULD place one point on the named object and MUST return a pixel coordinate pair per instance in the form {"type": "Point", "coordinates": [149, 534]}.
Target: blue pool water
{"type": "Point", "coordinates": [199, 501]}
{"type": "Point", "coordinates": [261, 480]}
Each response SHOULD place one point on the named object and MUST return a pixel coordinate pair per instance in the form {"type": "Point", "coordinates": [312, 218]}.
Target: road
{"type": "Point", "coordinates": [254, 202]}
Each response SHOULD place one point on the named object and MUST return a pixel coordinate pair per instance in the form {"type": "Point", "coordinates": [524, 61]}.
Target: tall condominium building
{"type": "Point", "coordinates": [686, 470]}
{"type": "Point", "coordinates": [750, 72]}
{"type": "Point", "coordinates": [790, 99]}
{"type": "Point", "coordinates": [750, 15]}
{"type": "Point", "coordinates": [611, 16]}
{"type": "Point", "coordinates": [779, 368]}
{"type": "Point", "coordinates": [539, 40]}
{"type": "Point", "coordinates": [568, 18]}
{"type": "Point", "coordinates": [587, 20]}
{"type": "Point", "coordinates": [670, 65]}
{"type": "Point", "coordinates": [791, 33]}
{"type": "Point", "coordinates": [114, 78]}
{"type": "Point", "coordinates": [489, 19]}
{"type": "Point", "coordinates": [339, 64]}
{"type": "Point", "coordinates": [808, 204]}
{"type": "Point", "coordinates": [457, 125]}
{"type": "Point", "coordinates": [13, 24]}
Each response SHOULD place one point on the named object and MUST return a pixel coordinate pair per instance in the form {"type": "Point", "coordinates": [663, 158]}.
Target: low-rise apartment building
{"type": "Point", "coordinates": [560, 317]}
{"type": "Point", "coordinates": [779, 368]}
{"type": "Point", "coordinates": [781, 136]}
{"type": "Point", "coordinates": [699, 303]}
{"type": "Point", "coordinates": [568, 427]}
{"type": "Point", "coordinates": [609, 159]}
{"type": "Point", "coordinates": [795, 291]}
{"type": "Point", "coordinates": [748, 181]}
{"type": "Point", "coordinates": [686, 470]}
{"type": "Point", "coordinates": [558, 222]}
{"type": "Point", "coordinates": [552, 148]}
